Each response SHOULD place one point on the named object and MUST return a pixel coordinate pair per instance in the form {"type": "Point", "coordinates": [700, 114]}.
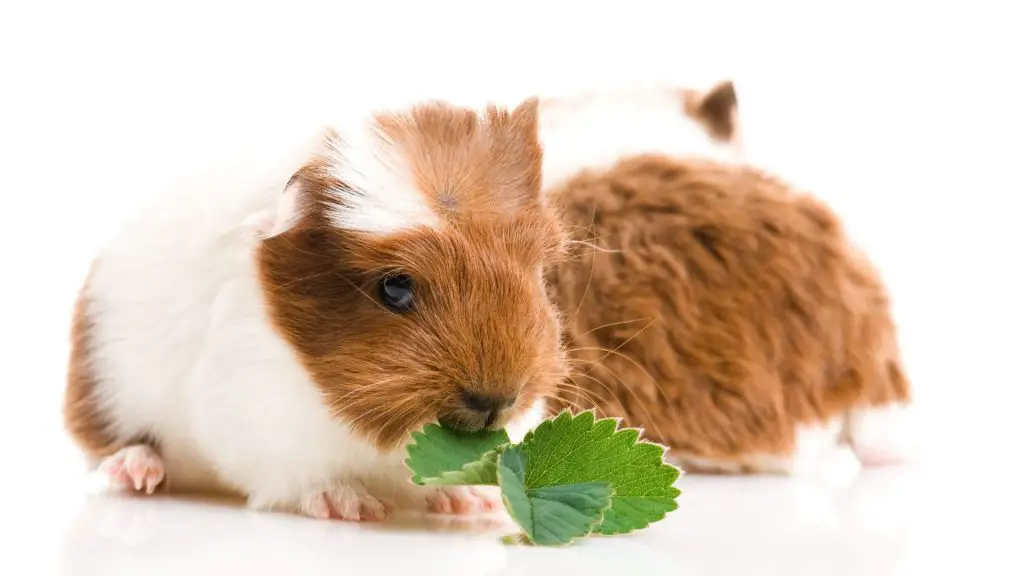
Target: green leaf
{"type": "Point", "coordinates": [575, 450]}
{"type": "Point", "coordinates": [440, 456]}
{"type": "Point", "coordinates": [550, 515]}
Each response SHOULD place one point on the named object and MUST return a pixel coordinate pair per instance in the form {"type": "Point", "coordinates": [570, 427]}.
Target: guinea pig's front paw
{"type": "Point", "coordinates": [345, 501]}
{"type": "Point", "coordinates": [136, 467]}
{"type": "Point", "coordinates": [464, 500]}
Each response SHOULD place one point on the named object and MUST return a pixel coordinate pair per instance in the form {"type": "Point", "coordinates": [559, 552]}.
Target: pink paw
{"type": "Point", "coordinates": [136, 468]}
{"type": "Point", "coordinates": [464, 500]}
{"type": "Point", "coordinates": [345, 501]}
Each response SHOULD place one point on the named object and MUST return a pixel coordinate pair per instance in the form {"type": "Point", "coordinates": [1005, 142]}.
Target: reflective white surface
{"type": "Point", "coordinates": [908, 520]}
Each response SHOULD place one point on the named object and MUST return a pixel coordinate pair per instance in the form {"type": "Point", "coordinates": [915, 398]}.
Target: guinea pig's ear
{"type": "Point", "coordinates": [524, 118]}
{"type": "Point", "coordinates": [517, 152]}
{"type": "Point", "coordinates": [717, 109]}
{"type": "Point", "coordinates": [290, 207]}
{"type": "Point", "coordinates": [303, 192]}
{"type": "Point", "coordinates": [296, 201]}
{"type": "Point", "coordinates": [271, 222]}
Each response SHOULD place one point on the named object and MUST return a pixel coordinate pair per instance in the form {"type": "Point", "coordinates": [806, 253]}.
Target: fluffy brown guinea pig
{"type": "Point", "coordinates": [278, 331]}
{"type": "Point", "coordinates": [710, 303]}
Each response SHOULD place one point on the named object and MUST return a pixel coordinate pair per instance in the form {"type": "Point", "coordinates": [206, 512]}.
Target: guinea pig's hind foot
{"type": "Point", "coordinates": [463, 500]}
{"type": "Point", "coordinates": [137, 467]}
{"type": "Point", "coordinates": [881, 435]}
{"type": "Point", "coordinates": [345, 501]}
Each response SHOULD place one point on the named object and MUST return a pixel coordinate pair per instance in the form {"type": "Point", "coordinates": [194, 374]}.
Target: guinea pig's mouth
{"type": "Point", "coordinates": [473, 410]}
{"type": "Point", "coordinates": [470, 421]}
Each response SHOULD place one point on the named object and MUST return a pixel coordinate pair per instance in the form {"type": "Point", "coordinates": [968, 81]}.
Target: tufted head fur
{"type": "Point", "coordinates": [441, 206]}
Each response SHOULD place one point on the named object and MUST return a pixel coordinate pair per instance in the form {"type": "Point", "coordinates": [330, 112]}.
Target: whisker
{"type": "Point", "coordinates": [291, 283]}
{"type": "Point", "coordinates": [366, 389]}
{"type": "Point", "coordinates": [579, 392]}
{"type": "Point", "coordinates": [590, 278]}
{"type": "Point", "coordinates": [574, 405]}
{"type": "Point", "coordinates": [617, 348]}
{"type": "Point", "coordinates": [383, 403]}
{"type": "Point", "coordinates": [574, 387]}
{"type": "Point", "coordinates": [636, 364]}
{"type": "Point", "coordinates": [594, 246]}
{"type": "Point", "coordinates": [367, 296]}
{"type": "Point", "coordinates": [399, 414]}
{"type": "Point", "coordinates": [650, 417]}
{"type": "Point", "coordinates": [363, 418]}
{"type": "Point", "coordinates": [388, 411]}
{"type": "Point", "coordinates": [599, 402]}
{"type": "Point", "coordinates": [610, 324]}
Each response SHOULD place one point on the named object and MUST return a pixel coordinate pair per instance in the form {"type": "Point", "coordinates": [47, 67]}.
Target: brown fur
{"type": "Point", "coordinates": [389, 373]}
{"type": "Point", "coordinates": [716, 109]}
{"type": "Point", "coordinates": [82, 418]}
{"type": "Point", "coordinates": [721, 309]}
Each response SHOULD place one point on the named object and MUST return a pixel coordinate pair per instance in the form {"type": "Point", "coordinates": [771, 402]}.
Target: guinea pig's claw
{"type": "Point", "coordinates": [463, 500]}
{"type": "Point", "coordinates": [137, 468]}
{"type": "Point", "coordinates": [345, 501]}
{"type": "Point", "coordinates": [315, 506]}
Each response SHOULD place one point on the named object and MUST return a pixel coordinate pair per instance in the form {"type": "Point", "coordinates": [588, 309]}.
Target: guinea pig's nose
{"type": "Point", "coordinates": [487, 404]}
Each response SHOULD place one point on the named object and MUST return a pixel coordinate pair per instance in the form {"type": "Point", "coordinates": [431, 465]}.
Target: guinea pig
{"type": "Point", "coordinates": [280, 338]}
{"type": "Point", "coordinates": [710, 303]}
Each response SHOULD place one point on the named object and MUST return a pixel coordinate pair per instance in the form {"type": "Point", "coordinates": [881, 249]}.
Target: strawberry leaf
{"type": "Point", "coordinates": [572, 476]}
{"type": "Point", "coordinates": [440, 456]}
{"type": "Point", "coordinates": [550, 515]}
{"type": "Point", "coordinates": [579, 450]}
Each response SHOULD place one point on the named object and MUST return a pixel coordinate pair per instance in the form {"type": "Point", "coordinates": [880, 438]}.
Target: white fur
{"type": "Point", "coordinates": [182, 348]}
{"type": "Point", "coordinates": [814, 442]}
{"type": "Point", "coordinates": [595, 131]}
{"type": "Point", "coordinates": [877, 435]}
{"type": "Point", "coordinates": [383, 197]}
{"type": "Point", "coordinates": [518, 429]}
{"type": "Point", "coordinates": [881, 434]}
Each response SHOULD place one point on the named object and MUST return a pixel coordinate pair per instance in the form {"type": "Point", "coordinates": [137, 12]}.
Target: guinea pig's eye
{"type": "Point", "coordinates": [396, 292]}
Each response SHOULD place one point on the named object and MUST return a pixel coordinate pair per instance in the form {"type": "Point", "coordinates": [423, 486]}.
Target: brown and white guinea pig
{"type": "Point", "coordinates": [279, 339]}
{"type": "Point", "coordinates": [710, 303]}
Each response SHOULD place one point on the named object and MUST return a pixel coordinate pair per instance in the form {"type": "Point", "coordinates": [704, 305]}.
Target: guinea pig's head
{"type": "Point", "coordinates": [406, 270]}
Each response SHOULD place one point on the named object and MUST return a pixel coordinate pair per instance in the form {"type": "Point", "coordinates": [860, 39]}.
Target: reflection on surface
{"type": "Point", "coordinates": [165, 536]}
{"type": "Point", "coordinates": [724, 525]}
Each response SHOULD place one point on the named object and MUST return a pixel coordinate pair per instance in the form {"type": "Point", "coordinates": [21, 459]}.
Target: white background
{"type": "Point", "coordinates": [905, 116]}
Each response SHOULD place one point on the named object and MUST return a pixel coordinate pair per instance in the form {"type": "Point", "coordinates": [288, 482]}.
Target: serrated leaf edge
{"type": "Point", "coordinates": [618, 428]}
{"type": "Point", "coordinates": [675, 506]}
{"type": "Point", "coordinates": [664, 464]}
{"type": "Point", "coordinates": [640, 440]}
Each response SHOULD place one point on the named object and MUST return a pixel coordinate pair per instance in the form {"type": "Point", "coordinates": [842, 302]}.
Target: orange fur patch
{"type": "Point", "coordinates": [88, 427]}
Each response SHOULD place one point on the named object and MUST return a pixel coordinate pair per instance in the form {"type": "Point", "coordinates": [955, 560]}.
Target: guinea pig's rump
{"type": "Point", "coordinates": [724, 313]}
